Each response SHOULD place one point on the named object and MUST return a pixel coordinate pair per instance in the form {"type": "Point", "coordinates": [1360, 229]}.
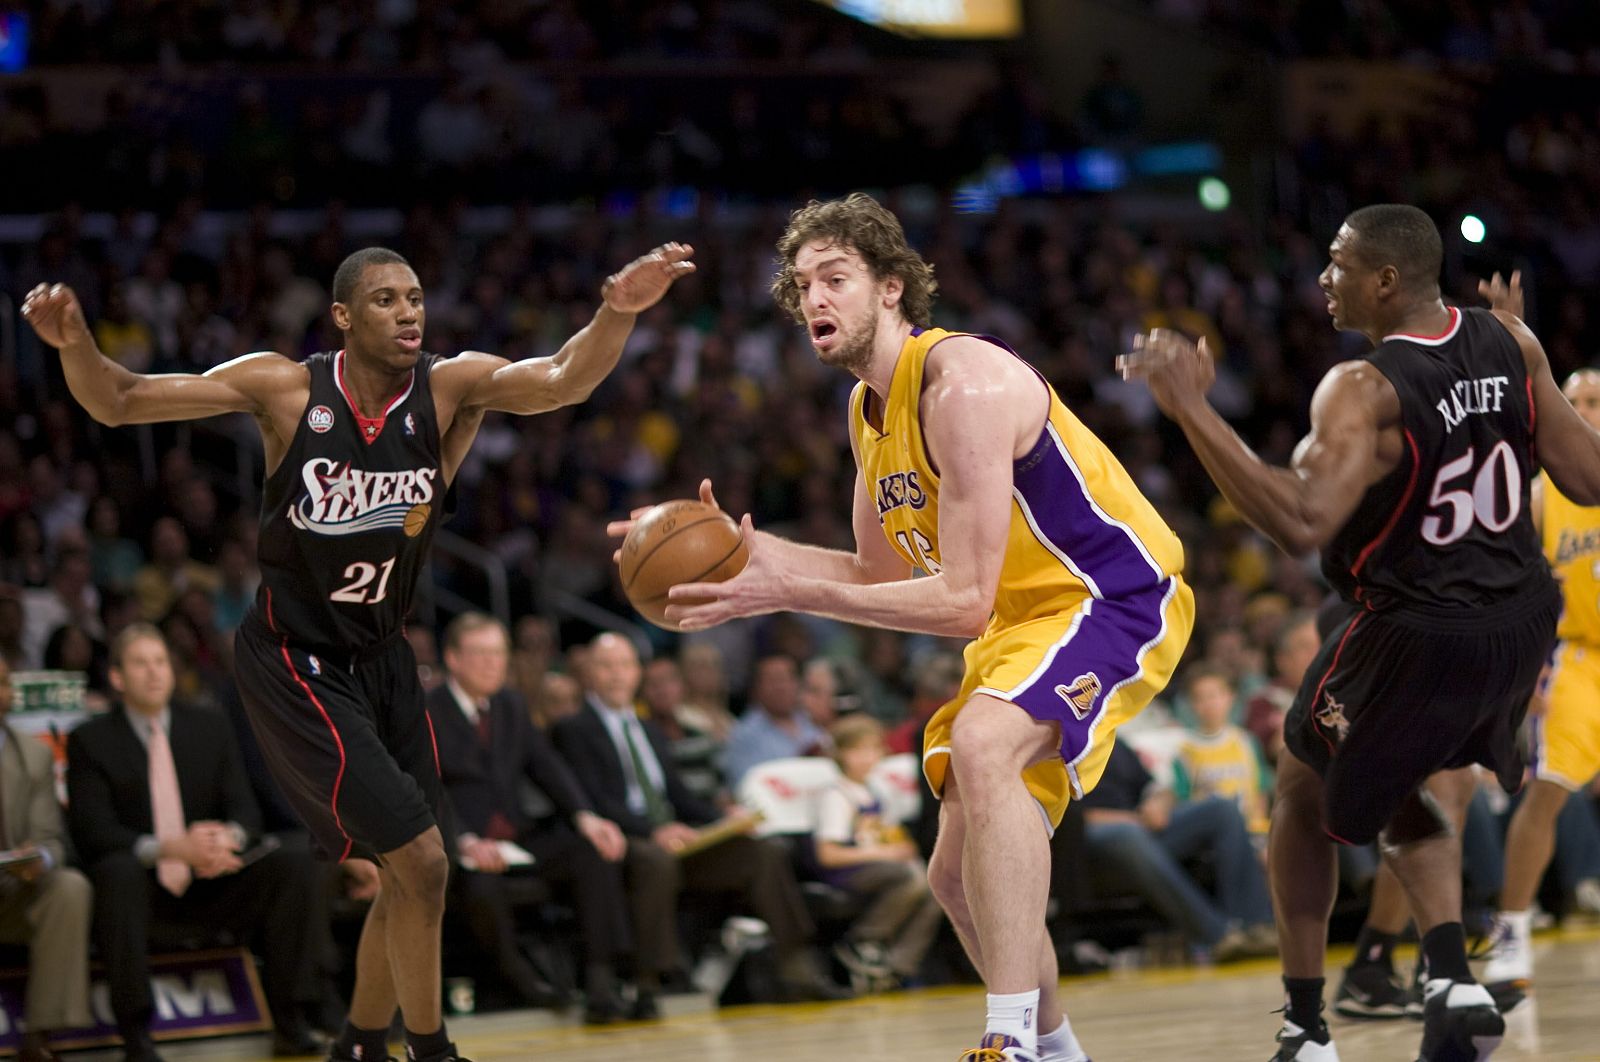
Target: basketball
{"type": "Point", "coordinates": [678, 542]}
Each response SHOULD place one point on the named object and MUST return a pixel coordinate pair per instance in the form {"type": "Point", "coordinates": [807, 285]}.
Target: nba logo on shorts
{"type": "Point", "coordinates": [1080, 694]}
{"type": "Point", "coordinates": [1027, 1017]}
{"type": "Point", "coordinates": [316, 665]}
{"type": "Point", "coordinates": [411, 425]}
{"type": "Point", "coordinates": [320, 419]}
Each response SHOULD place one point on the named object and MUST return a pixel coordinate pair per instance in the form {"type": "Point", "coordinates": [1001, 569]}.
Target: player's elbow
{"type": "Point", "coordinates": [966, 614]}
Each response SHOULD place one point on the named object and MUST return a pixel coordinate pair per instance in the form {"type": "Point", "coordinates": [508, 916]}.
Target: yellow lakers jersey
{"type": "Point", "coordinates": [1572, 546]}
{"type": "Point", "coordinates": [1222, 764]}
{"type": "Point", "coordinates": [1079, 526]}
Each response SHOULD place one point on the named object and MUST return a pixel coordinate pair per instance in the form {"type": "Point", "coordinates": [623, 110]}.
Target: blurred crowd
{"type": "Point", "coordinates": [104, 529]}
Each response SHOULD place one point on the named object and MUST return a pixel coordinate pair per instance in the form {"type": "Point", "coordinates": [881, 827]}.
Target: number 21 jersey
{"type": "Point", "coordinates": [1449, 528]}
{"type": "Point", "coordinates": [347, 518]}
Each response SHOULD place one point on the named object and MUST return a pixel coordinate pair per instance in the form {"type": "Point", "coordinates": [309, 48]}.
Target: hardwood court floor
{"type": "Point", "coordinates": [1193, 1015]}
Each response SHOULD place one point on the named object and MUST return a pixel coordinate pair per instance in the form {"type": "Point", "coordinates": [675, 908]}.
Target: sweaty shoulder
{"type": "Point", "coordinates": [1359, 384]}
{"type": "Point", "coordinates": [983, 384]}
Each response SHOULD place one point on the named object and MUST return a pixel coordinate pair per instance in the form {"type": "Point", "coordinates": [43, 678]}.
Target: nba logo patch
{"type": "Point", "coordinates": [1080, 694]}
{"type": "Point", "coordinates": [320, 419]}
{"type": "Point", "coordinates": [316, 665]}
{"type": "Point", "coordinates": [411, 425]}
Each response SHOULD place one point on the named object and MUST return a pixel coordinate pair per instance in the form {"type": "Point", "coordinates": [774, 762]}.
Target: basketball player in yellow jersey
{"type": "Point", "coordinates": [1566, 737]}
{"type": "Point", "coordinates": [1033, 541]}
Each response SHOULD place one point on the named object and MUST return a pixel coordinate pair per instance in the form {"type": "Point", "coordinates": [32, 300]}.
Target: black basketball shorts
{"type": "Point", "coordinates": [1394, 697]}
{"type": "Point", "coordinates": [348, 739]}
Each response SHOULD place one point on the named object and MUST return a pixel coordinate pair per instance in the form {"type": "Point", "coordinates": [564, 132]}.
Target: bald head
{"type": "Point", "coordinates": [611, 670]}
{"type": "Point", "coordinates": [1583, 391]}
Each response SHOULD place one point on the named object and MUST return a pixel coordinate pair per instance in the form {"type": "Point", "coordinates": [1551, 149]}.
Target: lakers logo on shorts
{"type": "Point", "coordinates": [1081, 694]}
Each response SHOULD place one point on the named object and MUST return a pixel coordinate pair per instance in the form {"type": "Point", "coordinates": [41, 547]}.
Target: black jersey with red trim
{"type": "Point", "coordinates": [348, 517]}
{"type": "Point", "coordinates": [1450, 527]}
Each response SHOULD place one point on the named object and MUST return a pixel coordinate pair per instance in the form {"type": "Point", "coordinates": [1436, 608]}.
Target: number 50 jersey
{"type": "Point", "coordinates": [347, 518]}
{"type": "Point", "coordinates": [1450, 527]}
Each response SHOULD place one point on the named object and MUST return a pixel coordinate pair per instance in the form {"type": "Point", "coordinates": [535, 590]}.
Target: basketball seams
{"type": "Point", "coordinates": [664, 539]}
{"type": "Point", "coordinates": [723, 560]}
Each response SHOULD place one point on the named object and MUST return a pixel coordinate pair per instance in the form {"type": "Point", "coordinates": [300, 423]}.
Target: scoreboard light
{"type": "Point", "coordinates": [936, 18]}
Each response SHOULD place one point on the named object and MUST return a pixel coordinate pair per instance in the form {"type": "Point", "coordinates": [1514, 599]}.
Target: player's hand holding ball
{"type": "Point", "coordinates": [678, 542]}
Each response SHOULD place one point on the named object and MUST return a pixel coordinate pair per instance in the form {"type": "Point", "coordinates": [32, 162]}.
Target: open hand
{"type": "Point", "coordinates": [1503, 295]}
{"type": "Point", "coordinates": [640, 284]}
{"type": "Point", "coordinates": [620, 528]}
{"type": "Point", "coordinates": [54, 313]}
{"type": "Point", "coordinates": [1177, 370]}
{"type": "Point", "coordinates": [755, 591]}
{"type": "Point", "coordinates": [605, 835]}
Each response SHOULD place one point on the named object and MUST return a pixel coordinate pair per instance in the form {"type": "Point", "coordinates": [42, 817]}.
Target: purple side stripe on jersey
{"type": "Point", "coordinates": [1054, 498]}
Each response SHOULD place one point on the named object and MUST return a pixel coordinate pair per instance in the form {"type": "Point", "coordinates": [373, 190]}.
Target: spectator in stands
{"type": "Point", "coordinates": [11, 626]}
{"type": "Point", "coordinates": [694, 751]}
{"type": "Point", "coordinates": [238, 578]}
{"type": "Point", "coordinates": [161, 811]}
{"type": "Point", "coordinates": [44, 903]}
{"type": "Point", "coordinates": [1139, 838]}
{"type": "Point", "coordinates": [935, 684]}
{"type": "Point", "coordinates": [1217, 758]}
{"type": "Point", "coordinates": [625, 765]}
{"type": "Point", "coordinates": [23, 561]}
{"type": "Point", "coordinates": [819, 692]}
{"type": "Point", "coordinates": [560, 697]}
{"type": "Point", "coordinates": [773, 725]}
{"type": "Point", "coordinates": [706, 704]}
{"type": "Point", "coordinates": [870, 856]}
{"type": "Point", "coordinates": [506, 782]}
{"type": "Point", "coordinates": [1296, 646]}
{"type": "Point", "coordinates": [170, 572]}
{"type": "Point", "coordinates": [114, 560]}
{"type": "Point", "coordinates": [70, 598]}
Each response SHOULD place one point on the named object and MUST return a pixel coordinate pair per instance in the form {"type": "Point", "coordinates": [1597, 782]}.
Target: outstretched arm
{"type": "Point", "coordinates": [1568, 447]}
{"type": "Point", "coordinates": [1301, 507]}
{"type": "Point", "coordinates": [477, 383]}
{"type": "Point", "coordinates": [114, 395]}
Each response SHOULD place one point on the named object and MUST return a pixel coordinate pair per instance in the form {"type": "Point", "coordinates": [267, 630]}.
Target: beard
{"type": "Point", "coordinates": [854, 353]}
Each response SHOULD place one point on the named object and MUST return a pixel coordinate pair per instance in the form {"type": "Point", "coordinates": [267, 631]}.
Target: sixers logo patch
{"type": "Point", "coordinates": [320, 419]}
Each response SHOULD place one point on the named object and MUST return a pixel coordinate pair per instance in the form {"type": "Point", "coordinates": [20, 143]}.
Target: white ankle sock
{"type": "Point", "coordinates": [1017, 1016]}
{"type": "Point", "coordinates": [1061, 1045]}
{"type": "Point", "coordinates": [1521, 923]}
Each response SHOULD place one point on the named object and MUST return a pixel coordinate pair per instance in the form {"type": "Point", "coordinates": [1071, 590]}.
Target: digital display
{"type": "Point", "coordinates": [937, 18]}
{"type": "Point", "coordinates": [13, 41]}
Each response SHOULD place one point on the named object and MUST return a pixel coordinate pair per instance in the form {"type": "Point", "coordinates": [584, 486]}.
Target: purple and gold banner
{"type": "Point", "coordinates": [197, 993]}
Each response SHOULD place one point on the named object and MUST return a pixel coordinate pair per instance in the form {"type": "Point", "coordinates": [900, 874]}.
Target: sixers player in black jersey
{"type": "Point", "coordinates": [1414, 484]}
{"type": "Point", "coordinates": [361, 448]}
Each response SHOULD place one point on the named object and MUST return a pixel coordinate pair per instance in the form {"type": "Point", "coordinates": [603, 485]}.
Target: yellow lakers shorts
{"type": "Point", "coordinates": [1566, 739]}
{"type": "Point", "coordinates": [1090, 669]}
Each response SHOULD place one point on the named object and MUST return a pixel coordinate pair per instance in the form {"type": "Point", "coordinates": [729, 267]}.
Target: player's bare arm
{"type": "Point", "coordinates": [980, 406]}
{"type": "Point", "coordinates": [1351, 446]}
{"type": "Point", "coordinates": [474, 383]}
{"type": "Point", "coordinates": [268, 386]}
{"type": "Point", "coordinates": [1568, 447]}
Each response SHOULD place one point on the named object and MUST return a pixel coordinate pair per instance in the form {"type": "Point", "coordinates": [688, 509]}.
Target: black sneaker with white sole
{"type": "Point", "coordinates": [1460, 1022]}
{"type": "Point", "coordinates": [1369, 992]}
{"type": "Point", "coordinates": [1305, 1045]}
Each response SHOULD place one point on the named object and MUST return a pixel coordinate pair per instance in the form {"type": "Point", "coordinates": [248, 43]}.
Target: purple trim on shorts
{"type": "Point", "coordinates": [1102, 651]}
{"type": "Point", "coordinates": [1101, 551]}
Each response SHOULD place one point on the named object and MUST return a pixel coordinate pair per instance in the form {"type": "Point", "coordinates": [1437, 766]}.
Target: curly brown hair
{"type": "Point", "coordinates": [862, 224]}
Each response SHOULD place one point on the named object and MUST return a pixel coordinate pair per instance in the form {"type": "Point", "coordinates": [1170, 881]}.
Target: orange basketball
{"type": "Point", "coordinates": [678, 542]}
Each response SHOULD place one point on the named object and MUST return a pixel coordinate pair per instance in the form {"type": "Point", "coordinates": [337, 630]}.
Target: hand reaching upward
{"type": "Point", "coordinates": [640, 284]}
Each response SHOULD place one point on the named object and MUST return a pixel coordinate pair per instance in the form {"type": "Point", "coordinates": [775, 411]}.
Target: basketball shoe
{"type": "Point", "coordinates": [1460, 1022]}
{"type": "Point", "coordinates": [1305, 1045]}
{"type": "Point", "coordinates": [1509, 974]}
{"type": "Point", "coordinates": [1370, 991]}
{"type": "Point", "coordinates": [996, 1047]}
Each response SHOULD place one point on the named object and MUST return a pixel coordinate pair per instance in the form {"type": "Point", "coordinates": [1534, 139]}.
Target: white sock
{"type": "Point", "coordinates": [1521, 923]}
{"type": "Point", "coordinates": [1017, 1016]}
{"type": "Point", "coordinates": [1061, 1045]}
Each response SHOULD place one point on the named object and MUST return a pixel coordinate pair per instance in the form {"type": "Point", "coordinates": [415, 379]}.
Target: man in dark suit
{"type": "Point", "coordinates": [43, 903]}
{"type": "Point", "coordinates": [161, 812]}
{"type": "Point", "coordinates": [627, 768]}
{"type": "Point", "coordinates": [507, 783]}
